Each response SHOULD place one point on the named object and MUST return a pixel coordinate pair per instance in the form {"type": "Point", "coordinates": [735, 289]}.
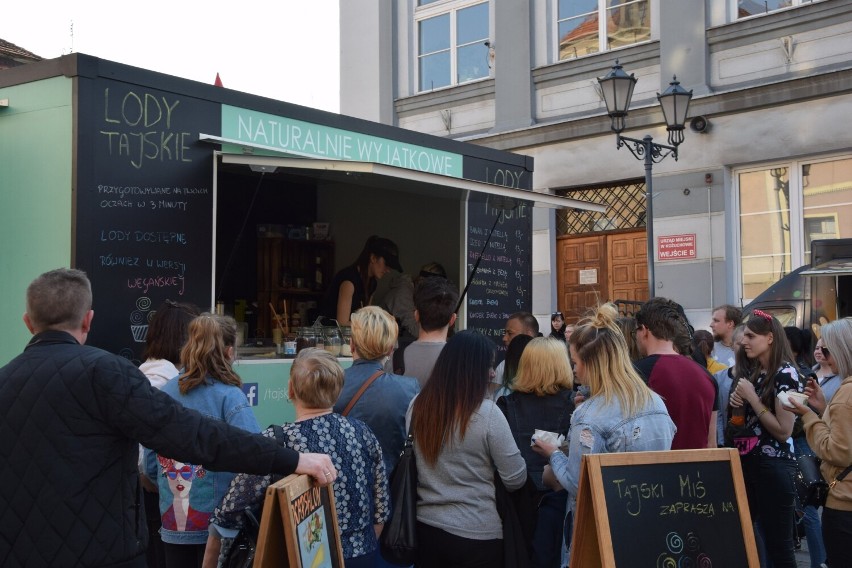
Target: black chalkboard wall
{"type": "Point", "coordinates": [144, 206]}
{"type": "Point", "coordinates": [674, 514]}
{"type": "Point", "coordinates": [502, 283]}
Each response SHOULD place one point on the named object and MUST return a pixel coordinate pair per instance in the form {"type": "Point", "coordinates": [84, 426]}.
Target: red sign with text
{"type": "Point", "coordinates": [676, 247]}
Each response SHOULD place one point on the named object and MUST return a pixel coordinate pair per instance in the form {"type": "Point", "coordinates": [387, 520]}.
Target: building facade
{"type": "Point", "coordinates": [766, 166]}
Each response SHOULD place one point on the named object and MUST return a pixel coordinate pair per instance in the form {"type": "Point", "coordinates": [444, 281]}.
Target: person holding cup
{"type": "Point", "coordinates": [618, 404]}
{"type": "Point", "coordinates": [828, 428]}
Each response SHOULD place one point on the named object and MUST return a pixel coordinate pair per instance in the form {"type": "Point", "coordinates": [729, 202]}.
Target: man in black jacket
{"type": "Point", "coordinates": [71, 419]}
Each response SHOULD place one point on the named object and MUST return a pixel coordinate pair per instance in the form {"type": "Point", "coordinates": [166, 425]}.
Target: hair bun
{"type": "Point", "coordinates": [603, 315]}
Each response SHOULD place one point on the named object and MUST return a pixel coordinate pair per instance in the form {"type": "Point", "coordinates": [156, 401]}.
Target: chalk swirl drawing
{"type": "Point", "coordinates": [127, 353]}
{"type": "Point", "coordinates": [676, 557]}
{"type": "Point", "coordinates": [139, 319]}
{"type": "Point", "coordinates": [151, 315]}
{"type": "Point", "coordinates": [674, 543]}
{"type": "Point", "coordinates": [693, 543]}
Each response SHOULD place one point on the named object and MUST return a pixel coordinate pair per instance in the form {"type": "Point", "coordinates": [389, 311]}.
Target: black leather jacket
{"type": "Point", "coordinates": [527, 413]}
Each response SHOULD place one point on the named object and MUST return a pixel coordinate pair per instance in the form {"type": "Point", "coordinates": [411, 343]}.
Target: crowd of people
{"type": "Point", "coordinates": [481, 429]}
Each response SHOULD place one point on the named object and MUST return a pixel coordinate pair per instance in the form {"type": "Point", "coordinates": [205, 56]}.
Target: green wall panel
{"type": "Point", "coordinates": [35, 196]}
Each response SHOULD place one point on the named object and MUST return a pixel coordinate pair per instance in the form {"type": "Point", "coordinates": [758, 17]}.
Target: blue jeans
{"type": "Point", "coordinates": [771, 497]}
{"type": "Point", "coordinates": [549, 530]}
{"type": "Point", "coordinates": [810, 515]}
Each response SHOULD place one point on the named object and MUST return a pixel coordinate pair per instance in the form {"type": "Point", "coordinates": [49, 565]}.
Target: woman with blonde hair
{"type": "Point", "coordinates": [830, 437]}
{"type": "Point", "coordinates": [208, 384]}
{"type": "Point", "coordinates": [619, 403]}
{"type": "Point", "coordinates": [383, 402]}
{"type": "Point", "coordinates": [542, 399]}
{"type": "Point", "coordinates": [360, 494]}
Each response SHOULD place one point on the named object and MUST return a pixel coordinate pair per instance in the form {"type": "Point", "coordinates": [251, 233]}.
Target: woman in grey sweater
{"type": "Point", "coordinates": [460, 439]}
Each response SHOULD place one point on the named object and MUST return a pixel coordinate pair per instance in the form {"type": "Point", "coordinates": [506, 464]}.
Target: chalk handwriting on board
{"type": "Point", "coordinates": [139, 127]}
{"type": "Point", "coordinates": [504, 177]}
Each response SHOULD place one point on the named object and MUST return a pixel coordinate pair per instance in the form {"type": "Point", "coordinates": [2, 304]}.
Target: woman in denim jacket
{"type": "Point", "coordinates": [190, 492]}
{"type": "Point", "coordinates": [621, 413]}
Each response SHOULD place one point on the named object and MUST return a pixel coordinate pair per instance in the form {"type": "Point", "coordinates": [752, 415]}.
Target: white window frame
{"type": "Point", "coordinates": [797, 213]}
{"type": "Point", "coordinates": [437, 9]}
{"type": "Point", "coordinates": [734, 7]}
{"type": "Point", "coordinates": [653, 7]}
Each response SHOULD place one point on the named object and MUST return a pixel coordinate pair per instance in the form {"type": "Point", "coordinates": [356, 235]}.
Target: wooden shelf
{"type": "Point", "coordinates": [296, 257]}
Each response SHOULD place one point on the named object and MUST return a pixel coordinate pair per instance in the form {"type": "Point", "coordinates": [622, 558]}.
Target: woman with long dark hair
{"type": "Point", "coordinates": [190, 492]}
{"type": "Point", "coordinates": [352, 288]}
{"type": "Point", "coordinates": [558, 326]}
{"type": "Point", "coordinates": [767, 461]}
{"type": "Point", "coordinates": [460, 439]}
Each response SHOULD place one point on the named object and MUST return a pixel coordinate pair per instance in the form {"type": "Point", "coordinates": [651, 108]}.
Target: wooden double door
{"type": "Point", "coordinates": [598, 268]}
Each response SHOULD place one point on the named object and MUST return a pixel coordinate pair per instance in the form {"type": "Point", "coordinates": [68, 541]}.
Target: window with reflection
{"type": "Point", "coordinates": [764, 229]}
{"type": "Point", "coordinates": [580, 31]}
{"type": "Point", "coordinates": [774, 242]}
{"type": "Point", "coordinates": [826, 201]}
{"type": "Point", "coordinates": [746, 8]}
{"type": "Point", "coordinates": [451, 43]}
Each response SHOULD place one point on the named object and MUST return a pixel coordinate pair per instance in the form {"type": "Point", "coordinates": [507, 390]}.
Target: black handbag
{"type": "Point", "coordinates": [244, 546]}
{"type": "Point", "coordinates": [811, 488]}
{"type": "Point", "coordinates": [398, 542]}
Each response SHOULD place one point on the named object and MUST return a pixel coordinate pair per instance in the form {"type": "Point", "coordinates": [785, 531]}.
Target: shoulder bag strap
{"type": "Point", "coordinates": [840, 476]}
{"type": "Point", "coordinates": [358, 394]}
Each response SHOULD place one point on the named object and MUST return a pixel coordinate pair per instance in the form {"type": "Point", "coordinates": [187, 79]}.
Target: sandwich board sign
{"type": "Point", "coordinates": [666, 509]}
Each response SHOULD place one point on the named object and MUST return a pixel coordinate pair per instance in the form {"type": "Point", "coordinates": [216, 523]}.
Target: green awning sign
{"type": "Point", "coordinates": [297, 137]}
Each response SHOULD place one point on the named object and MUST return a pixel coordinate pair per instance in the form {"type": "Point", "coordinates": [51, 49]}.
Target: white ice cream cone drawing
{"type": "Point", "coordinates": [139, 319]}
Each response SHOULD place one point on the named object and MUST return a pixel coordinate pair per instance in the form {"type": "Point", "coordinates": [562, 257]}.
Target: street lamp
{"type": "Point", "coordinates": [617, 88]}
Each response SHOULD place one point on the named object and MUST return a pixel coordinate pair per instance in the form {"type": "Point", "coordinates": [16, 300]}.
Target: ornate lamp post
{"type": "Point", "coordinates": [617, 87]}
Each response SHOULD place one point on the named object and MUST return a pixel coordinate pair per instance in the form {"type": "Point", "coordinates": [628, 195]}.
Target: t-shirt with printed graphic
{"type": "Point", "coordinates": [786, 379]}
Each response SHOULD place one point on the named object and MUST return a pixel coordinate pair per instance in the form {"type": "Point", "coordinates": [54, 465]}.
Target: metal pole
{"type": "Point", "coordinates": [647, 141]}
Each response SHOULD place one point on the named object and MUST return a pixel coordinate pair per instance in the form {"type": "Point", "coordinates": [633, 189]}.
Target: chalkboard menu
{"type": "Point", "coordinates": [503, 281]}
{"type": "Point", "coordinates": [677, 508]}
{"type": "Point", "coordinates": [144, 207]}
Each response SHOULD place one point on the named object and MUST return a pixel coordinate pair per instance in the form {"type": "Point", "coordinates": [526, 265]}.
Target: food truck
{"type": "Point", "coordinates": [161, 188]}
{"type": "Point", "coordinates": [814, 294]}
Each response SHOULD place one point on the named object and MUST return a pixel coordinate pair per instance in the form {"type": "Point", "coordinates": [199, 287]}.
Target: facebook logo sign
{"type": "Point", "coordinates": [250, 390]}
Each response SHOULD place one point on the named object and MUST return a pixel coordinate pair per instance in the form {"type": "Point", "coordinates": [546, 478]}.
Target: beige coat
{"type": "Point", "coordinates": [831, 440]}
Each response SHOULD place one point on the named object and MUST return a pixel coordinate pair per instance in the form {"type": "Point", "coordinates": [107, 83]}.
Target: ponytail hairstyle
{"type": "Point", "coordinates": [206, 352]}
{"type": "Point", "coordinates": [600, 345]}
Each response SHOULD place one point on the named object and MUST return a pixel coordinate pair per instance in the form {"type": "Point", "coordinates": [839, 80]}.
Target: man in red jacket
{"type": "Point", "coordinates": [685, 386]}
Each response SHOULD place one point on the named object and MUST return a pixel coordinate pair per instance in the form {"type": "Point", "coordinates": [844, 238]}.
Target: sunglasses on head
{"type": "Point", "coordinates": [556, 314]}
